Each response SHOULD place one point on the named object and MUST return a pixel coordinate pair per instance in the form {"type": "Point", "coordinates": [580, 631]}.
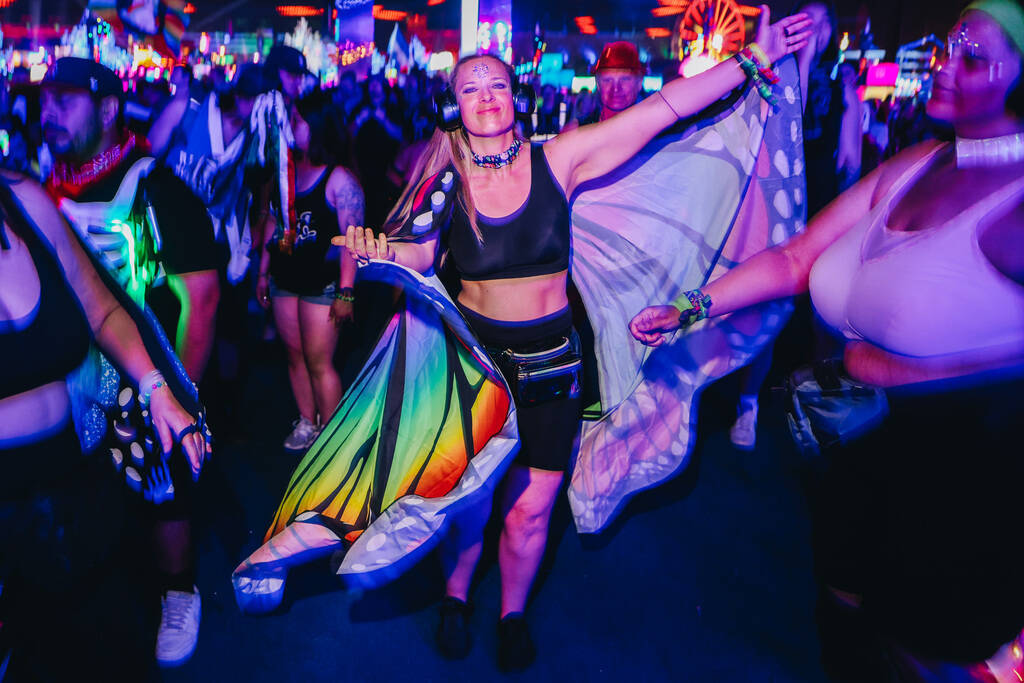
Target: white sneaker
{"type": "Point", "coordinates": [744, 433]}
{"type": "Point", "coordinates": [302, 436]}
{"type": "Point", "coordinates": [179, 627]}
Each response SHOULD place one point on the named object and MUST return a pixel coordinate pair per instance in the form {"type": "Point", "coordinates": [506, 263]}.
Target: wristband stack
{"type": "Point", "coordinates": [693, 306]}
{"type": "Point", "coordinates": [346, 294]}
{"type": "Point", "coordinates": [758, 68]}
{"type": "Point", "coordinates": [149, 383]}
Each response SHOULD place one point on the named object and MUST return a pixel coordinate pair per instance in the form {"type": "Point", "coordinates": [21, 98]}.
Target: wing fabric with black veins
{"type": "Point", "coordinates": [431, 206]}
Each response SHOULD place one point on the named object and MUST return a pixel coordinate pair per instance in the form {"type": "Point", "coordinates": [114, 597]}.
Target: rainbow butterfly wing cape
{"type": "Point", "coordinates": [427, 427]}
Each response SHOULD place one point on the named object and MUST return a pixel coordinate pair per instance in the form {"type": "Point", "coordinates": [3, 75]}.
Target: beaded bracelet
{"type": "Point", "coordinates": [751, 62]}
{"type": "Point", "coordinates": [763, 77]}
{"type": "Point", "coordinates": [760, 57]}
{"type": "Point", "coordinates": [149, 383]}
{"type": "Point", "coordinates": [693, 306]}
{"type": "Point", "coordinates": [345, 294]}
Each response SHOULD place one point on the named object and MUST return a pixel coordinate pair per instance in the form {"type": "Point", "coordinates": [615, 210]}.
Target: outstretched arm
{"type": "Point", "coordinates": [592, 151]}
{"type": "Point", "coordinates": [784, 270]}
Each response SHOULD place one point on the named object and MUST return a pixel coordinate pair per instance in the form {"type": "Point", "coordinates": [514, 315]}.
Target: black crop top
{"type": "Point", "coordinates": [534, 240]}
{"type": "Point", "coordinates": [54, 338]}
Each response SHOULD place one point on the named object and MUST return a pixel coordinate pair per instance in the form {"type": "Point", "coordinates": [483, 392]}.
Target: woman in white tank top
{"type": "Point", "coordinates": [920, 267]}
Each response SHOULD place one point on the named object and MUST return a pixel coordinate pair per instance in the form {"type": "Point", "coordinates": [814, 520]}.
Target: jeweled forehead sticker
{"type": "Point", "coordinates": [481, 70]}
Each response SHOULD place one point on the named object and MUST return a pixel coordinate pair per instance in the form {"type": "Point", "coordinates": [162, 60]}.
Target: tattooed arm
{"type": "Point", "coordinates": [346, 198]}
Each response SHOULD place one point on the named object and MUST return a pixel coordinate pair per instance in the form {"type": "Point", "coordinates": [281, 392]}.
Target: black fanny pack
{"type": "Point", "coordinates": [545, 371]}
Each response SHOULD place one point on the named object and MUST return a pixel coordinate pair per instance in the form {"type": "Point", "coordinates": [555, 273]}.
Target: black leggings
{"type": "Point", "coordinates": [547, 430]}
{"type": "Point", "coordinates": [923, 518]}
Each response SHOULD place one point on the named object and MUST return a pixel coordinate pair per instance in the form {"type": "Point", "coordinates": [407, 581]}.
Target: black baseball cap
{"type": "Point", "coordinates": [83, 74]}
{"type": "Point", "coordinates": [286, 58]}
{"type": "Point", "coordinates": [249, 81]}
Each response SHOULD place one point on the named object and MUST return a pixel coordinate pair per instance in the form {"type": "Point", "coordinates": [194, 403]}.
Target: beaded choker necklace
{"type": "Point", "coordinates": [1001, 151]}
{"type": "Point", "coordinates": [498, 160]}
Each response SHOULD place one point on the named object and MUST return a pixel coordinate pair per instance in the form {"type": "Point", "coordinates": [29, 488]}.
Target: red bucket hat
{"type": "Point", "coordinates": [621, 54]}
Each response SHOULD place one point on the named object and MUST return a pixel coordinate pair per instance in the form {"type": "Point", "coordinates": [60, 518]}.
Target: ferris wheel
{"type": "Point", "coordinates": [712, 29]}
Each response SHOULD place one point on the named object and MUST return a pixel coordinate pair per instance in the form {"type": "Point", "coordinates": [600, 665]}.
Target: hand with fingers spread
{"type": "Point", "coordinates": [173, 424]}
{"type": "Point", "coordinates": [363, 245]}
{"type": "Point", "coordinates": [784, 36]}
{"type": "Point", "coordinates": [159, 486]}
{"type": "Point", "coordinates": [650, 325]}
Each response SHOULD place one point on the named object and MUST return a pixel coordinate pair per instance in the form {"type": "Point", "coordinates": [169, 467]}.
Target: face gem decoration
{"type": "Point", "coordinates": [960, 42]}
{"type": "Point", "coordinates": [481, 70]}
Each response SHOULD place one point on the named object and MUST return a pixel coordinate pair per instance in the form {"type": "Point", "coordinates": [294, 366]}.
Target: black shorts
{"type": "Point", "coordinates": [547, 431]}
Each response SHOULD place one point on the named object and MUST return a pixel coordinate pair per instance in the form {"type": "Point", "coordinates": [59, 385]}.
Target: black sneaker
{"type": "Point", "coordinates": [453, 631]}
{"type": "Point", "coordinates": [516, 650]}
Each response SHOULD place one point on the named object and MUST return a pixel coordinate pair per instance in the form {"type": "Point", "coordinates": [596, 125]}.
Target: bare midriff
{"type": "Point", "coordinates": [516, 299]}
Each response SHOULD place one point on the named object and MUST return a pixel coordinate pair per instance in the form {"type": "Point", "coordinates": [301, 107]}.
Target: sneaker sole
{"type": "Point", "coordinates": [174, 663]}
{"type": "Point", "coordinates": [178, 661]}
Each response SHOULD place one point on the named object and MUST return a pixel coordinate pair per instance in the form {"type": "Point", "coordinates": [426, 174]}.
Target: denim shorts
{"type": "Point", "coordinates": [325, 298]}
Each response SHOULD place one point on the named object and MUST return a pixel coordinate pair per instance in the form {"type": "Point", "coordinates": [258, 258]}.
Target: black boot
{"type": "Point", "coordinates": [453, 639]}
{"type": "Point", "coordinates": [516, 650]}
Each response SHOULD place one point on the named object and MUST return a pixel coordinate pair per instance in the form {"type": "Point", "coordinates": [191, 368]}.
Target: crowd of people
{"type": "Point", "coordinates": [133, 239]}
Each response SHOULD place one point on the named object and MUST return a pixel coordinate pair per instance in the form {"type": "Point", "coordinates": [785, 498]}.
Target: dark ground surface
{"type": "Point", "coordinates": [707, 578]}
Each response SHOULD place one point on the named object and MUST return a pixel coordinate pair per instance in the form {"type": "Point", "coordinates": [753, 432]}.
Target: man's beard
{"type": "Point", "coordinates": [79, 147]}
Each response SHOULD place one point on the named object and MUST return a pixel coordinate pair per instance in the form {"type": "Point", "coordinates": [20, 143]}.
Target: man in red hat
{"type": "Point", "coordinates": [620, 76]}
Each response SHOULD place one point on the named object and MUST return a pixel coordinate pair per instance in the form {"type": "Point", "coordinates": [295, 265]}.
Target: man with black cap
{"type": "Point", "coordinates": [81, 116]}
{"type": "Point", "coordinates": [619, 74]}
{"type": "Point", "coordinates": [285, 70]}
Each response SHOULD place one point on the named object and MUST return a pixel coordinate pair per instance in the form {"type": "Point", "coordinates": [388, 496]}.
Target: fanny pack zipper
{"type": "Point", "coordinates": [540, 355]}
{"type": "Point", "coordinates": [556, 370]}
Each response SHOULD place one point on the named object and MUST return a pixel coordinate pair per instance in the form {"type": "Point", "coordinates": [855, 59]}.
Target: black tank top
{"type": "Point", "coordinates": [313, 264]}
{"type": "Point", "coordinates": [534, 240]}
{"type": "Point", "coordinates": [54, 338]}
